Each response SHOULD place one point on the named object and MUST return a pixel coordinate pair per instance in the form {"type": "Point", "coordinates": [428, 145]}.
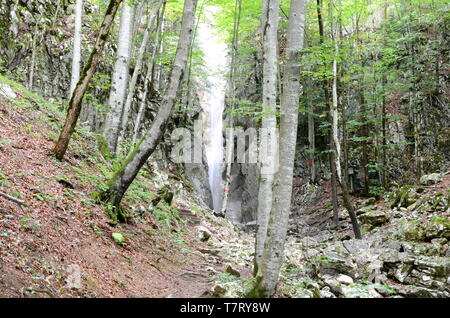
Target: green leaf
{"type": "Point", "coordinates": [118, 238]}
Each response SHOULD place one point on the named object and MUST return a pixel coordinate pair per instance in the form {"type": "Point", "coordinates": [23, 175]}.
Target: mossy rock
{"type": "Point", "coordinates": [404, 196]}
{"type": "Point", "coordinates": [374, 218]}
{"type": "Point", "coordinates": [164, 194]}
{"type": "Point", "coordinates": [413, 231]}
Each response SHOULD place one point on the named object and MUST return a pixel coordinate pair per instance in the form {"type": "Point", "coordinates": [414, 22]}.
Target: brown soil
{"type": "Point", "coordinates": [60, 226]}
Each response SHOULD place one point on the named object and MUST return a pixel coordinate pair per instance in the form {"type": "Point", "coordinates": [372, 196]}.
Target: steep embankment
{"type": "Point", "coordinates": [162, 254]}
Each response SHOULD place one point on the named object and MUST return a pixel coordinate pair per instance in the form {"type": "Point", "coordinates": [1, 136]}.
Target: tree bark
{"type": "Point", "coordinates": [119, 80]}
{"type": "Point", "coordinates": [273, 255]}
{"type": "Point", "coordinates": [148, 77]}
{"type": "Point", "coordinates": [269, 145]}
{"type": "Point", "coordinates": [76, 57]}
{"type": "Point", "coordinates": [138, 67]}
{"type": "Point", "coordinates": [143, 150]}
{"type": "Point", "coordinates": [230, 138]}
{"type": "Point", "coordinates": [89, 70]}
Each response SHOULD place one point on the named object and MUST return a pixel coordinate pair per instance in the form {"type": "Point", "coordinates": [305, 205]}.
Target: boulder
{"type": "Point", "coordinates": [412, 231]}
{"type": "Point", "coordinates": [360, 291]}
{"type": "Point", "coordinates": [436, 230]}
{"type": "Point", "coordinates": [434, 266]}
{"type": "Point", "coordinates": [6, 91]}
{"type": "Point", "coordinates": [218, 291]}
{"type": "Point", "coordinates": [203, 233]}
{"type": "Point", "coordinates": [230, 270]}
{"type": "Point", "coordinates": [344, 279]}
{"type": "Point", "coordinates": [412, 291]}
{"type": "Point", "coordinates": [430, 179]}
{"type": "Point", "coordinates": [326, 293]}
{"type": "Point", "coordinates": [366, 209]}
{"type": "Point", "coordinates": [333, 263]}
{"type": "Point", "coordinates": [374, 218]}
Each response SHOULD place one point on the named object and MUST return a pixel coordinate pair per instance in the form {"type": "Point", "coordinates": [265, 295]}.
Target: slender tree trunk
{"type": "Point", "coordinates": [273, 255]}
{"type": "Point", "coordinates": [312, 142]}
{"type": "Point", "coordinates": [335, 145]}
{"type": "Point", "coordinates": [269, 138]}
{"type": "Point", "coordinates": [331, 157]}
{"type": "Point", "coordinates": [143, 150]}
{"type": "Point", "coordinates": [138, 67]}
{"type": "Point", "coordinates": [88, 72]}
{"type": "Point", "coordinates": [119, 82]}
{"type": "Point", "coordinates": [33, 54]}
{"type": "Point", "coordinates": [148, 77]}
{"type": "Point", "coordinates": [76, 57]}
{"type": "Point", "coordinates": [233, 76]}
{"type": "Point", "coordinates": [365, 134]}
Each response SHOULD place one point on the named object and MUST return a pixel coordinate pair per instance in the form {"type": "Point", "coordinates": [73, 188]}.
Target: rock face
{"type": "Point", "coordinates": [198, 177]}
{"type": "Point", "coordinates": [430, 179]}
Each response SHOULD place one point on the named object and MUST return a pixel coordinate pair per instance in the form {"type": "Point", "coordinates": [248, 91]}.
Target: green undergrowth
{"type": "Point", "coordinates": [94, 168]}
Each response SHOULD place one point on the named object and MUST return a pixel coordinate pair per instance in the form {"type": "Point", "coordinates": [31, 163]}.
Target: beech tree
{"type": "Point", "coordinates": [269, 142]}
{"type": "Point", "coordinates": [76, 100]}
{"type": "Point", "coordinates": [76, 56]}
{"type": "Point", "coordinates": [137, 69]}
{"type": "Point", "coordinates": [119, 79]}
{"type": "Point", "coordinates": [129, 169]}
{"type": "Point", "coordinates": [273, 255]}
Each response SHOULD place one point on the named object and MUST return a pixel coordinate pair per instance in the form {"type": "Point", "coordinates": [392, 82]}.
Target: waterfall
{"type": "Point", "coordinates": [213, 104]}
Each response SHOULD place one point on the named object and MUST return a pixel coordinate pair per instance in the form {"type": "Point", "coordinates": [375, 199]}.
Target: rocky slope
{"type": "Point", "coordinates": [61, 235]}
{"type": "Point", "coordinates": [183, 250]}
{"type": "Point", "coordinates": [404, 252]}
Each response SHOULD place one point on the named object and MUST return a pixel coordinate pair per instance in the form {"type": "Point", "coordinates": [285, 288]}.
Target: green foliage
{"type": "Point", "coordinates": [118, 238]}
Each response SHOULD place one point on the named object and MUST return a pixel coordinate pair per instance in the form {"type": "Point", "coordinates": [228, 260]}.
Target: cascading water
{"type": "Point", "coordinates": [213, 102]}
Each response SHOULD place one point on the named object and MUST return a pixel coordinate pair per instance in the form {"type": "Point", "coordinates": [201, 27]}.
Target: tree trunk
{"type": "Point", "coordinates": [269, 145]}
{"type": "Point", "coordinates": [33, 54]}
{"type": "Point", "coordinates": [138, 67]}
{"type": "Point", "coordinates": [143, 150]}
{"type": "Point", "coordinates": [335, 145]}
{"type": "Point", "coordinates": [312, 142]}
{"type": "Point", "coordinates": [230, 137]}
{"type": "Point", "coordinates": [148, 77]}
{"type": "Point", "coordinates": [88, 72]}
{"type": "Point", "coordinates": [76, 57]}
{"type": "Point", "coordinates": [119, 80]}
{"type": "Point", "coordinates": [273, 255]}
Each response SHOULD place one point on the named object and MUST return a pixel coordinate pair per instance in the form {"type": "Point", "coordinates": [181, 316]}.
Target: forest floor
{"type": "Point", "coordinates": [61, 225]}
{"type": "Point", "coordinates": [163, 254]}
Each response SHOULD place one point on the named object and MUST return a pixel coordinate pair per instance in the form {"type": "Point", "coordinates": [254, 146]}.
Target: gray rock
{"type": "Point", "coordinates": [203, 233]}
{"type": "Point", "coordinates": [366, 209]}
{"type": "Point", "coordinates": [402, 272]}
{"type": "Point", "coordinates": [309, 242]}
{"type": "Point", "coordinates": [334, 263]}
{"type": "Point", "coordinates": [344, 279]}
{"type": "Point", "coordinates": [430, 179]}
{"type": "Point", "coordinates": [5, 90]}
{"type": "Point", "coordinates": [374, 218]}
{"type": "Point", "coordinates": [332, 284]}
{"type": "Point", "coordinates": [326, 293]}
{"type": "Point", "coordinates": [434, 266]}
{"type": "Point", "coordinates": [360, 291]}
{"type": "Point", "coordinates": [412, 291]}
{"type": "Point", "coordinates": [210, 251]}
